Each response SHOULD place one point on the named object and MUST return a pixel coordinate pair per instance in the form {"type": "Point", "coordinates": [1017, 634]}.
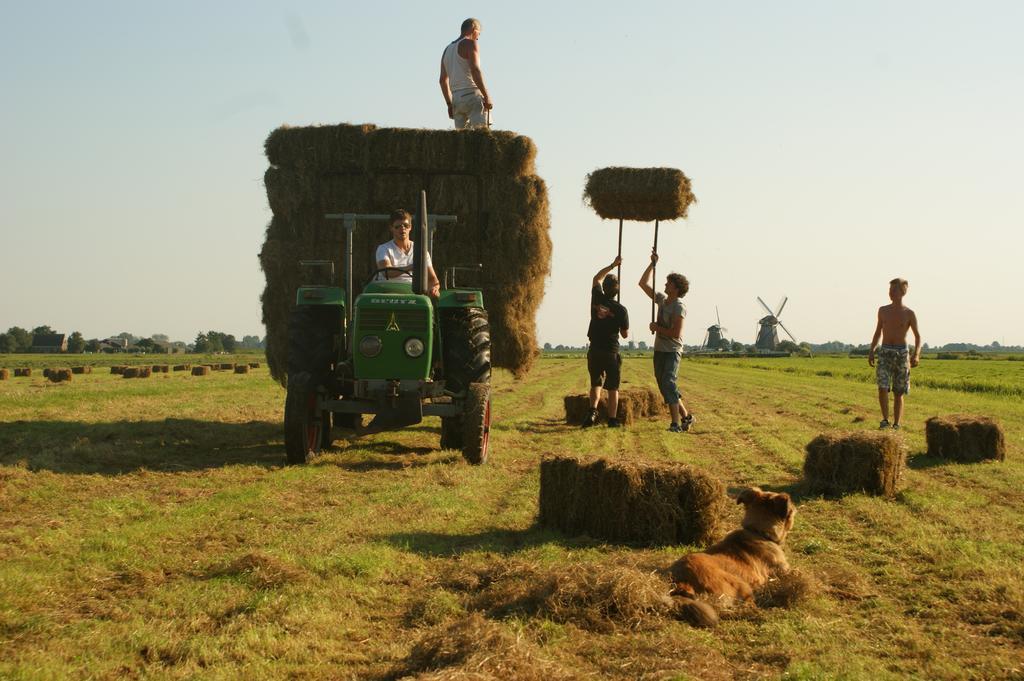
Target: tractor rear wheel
{"type": "Point", "coordinates": [451, 432]}
{"type": "Point", "coordinates": [303, 423]}
{"type": "Point", "coordinates": [476, 423]}
{"type": "Point", "coordinates": [466, 339]}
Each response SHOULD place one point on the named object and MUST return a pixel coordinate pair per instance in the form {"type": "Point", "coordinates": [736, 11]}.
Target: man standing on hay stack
{"type": "Point", "coordinates": [462, 81]}
{"type": "Point", "coordinates": [668, 341]}
{"type": "Point", "coordinates": [608, 320]}
{"type": "Point", "coordinates": [894, 361]}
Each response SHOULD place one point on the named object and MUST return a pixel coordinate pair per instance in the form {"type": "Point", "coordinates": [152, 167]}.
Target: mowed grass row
{"type": "Point", "coordinates": [148, 528]}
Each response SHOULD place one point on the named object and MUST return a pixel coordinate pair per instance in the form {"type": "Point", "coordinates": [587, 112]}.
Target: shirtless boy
{"type": "Point", "coordinates": [892, 370]}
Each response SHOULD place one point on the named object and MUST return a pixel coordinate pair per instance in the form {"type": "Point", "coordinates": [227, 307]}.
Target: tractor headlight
{"type": "Point", "coordinates": [414, 347]}
{"type": "Point", "coordinates": [370, 346]}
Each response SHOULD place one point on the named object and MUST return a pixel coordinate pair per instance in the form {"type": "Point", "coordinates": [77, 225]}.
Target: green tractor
{"type": "Point", "coordinates": [393, 352]}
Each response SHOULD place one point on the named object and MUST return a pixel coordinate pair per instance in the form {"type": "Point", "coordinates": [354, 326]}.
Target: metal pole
{"type": "Point", "coordinates": [618, 294]}
{"type": "Point", "coordinates": [654, 271]}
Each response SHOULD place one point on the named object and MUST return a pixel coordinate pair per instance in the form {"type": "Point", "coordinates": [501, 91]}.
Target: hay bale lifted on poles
{"type": "Point", "coordinates": [863, 461]}
{"type": "Point", "coordinates": [201, 370]}
{"type": "Point", "coordinates": [484, 177]}
{"type": "Point", "coordinates": [644, 194]}
{"type": "Point", "coordinates": [630, 500]}
{"type": "Point", "coordinates": [242, 369]}
{"type": "Point", "coordinates": [965, 438]}
{"type": "Point", "coordinates": [634, 403]}
{"type": "Point", "coordinates": [26, 372]}
{"type": "Point", "coordinates": [59, 375]}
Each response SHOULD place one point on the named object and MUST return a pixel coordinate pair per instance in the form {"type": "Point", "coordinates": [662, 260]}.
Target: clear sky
{"type": "Point", "coordinates": [832, 146]}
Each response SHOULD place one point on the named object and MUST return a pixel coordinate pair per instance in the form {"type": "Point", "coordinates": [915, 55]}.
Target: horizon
{"type": "Point", "coordinates": [830, 148]}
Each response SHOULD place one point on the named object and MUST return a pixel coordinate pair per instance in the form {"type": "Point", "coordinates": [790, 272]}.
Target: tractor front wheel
{"type": "Point", "coordinates": [303, 423]}
{"type": "Point", "coordinates": [476, 423]}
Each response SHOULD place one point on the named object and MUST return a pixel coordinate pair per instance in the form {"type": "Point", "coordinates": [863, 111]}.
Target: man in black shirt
{"type": "Point", "coordinates": [608, 320]}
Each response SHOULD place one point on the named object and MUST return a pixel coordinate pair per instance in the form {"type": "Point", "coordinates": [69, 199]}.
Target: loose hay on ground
{"type": "Point", "coordinates": [484, 177]}
{"type": "Point", "coordinates": [839, 463]}
{"type": "Point", "coordinates": [630, 501]}
{"type": "Point", "coordinates": [965, 438]}
{"type": "Point", "coordinates": [644, 194]}
{"type": "Point", "coordinates": [634, 403]}
{"type": "Point", "coordinates": [474, 647]}
{"type": "Point", "coordinates": [260, 570]}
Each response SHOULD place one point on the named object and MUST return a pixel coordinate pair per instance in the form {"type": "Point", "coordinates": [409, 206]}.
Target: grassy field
{"type": "Point", "coordinates": [149, 530]}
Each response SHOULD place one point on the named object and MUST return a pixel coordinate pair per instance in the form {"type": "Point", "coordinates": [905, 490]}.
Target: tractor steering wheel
{"type": "Point", "coordinates": [379, 270]}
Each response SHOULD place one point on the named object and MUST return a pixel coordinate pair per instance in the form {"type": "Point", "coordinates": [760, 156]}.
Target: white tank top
{"type": "Point", "coordinates": [457, 68]}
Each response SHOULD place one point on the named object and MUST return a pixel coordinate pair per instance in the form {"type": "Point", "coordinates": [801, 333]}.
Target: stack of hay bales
{"type": "Point", "coordinates": [839, 463]}
{"type": "Point", "coordinates": [644, 194]}
{"type": "Point", "coordinates": [630, 501]}
{"type": "Point", "coordinates": [964, 438]}
{"type": "Point", "coordinates": [201, 370]}
{"type": "Point", "coordinates": [26, 372]}
{"type": "Point", "coordinates": [486, 178]}
{"type": "Point", "coordinates": [634, 403]}
{"type": "Point", "coordinates": [242, 369]}
{"type": "Point", "coordinates": [58, 375]}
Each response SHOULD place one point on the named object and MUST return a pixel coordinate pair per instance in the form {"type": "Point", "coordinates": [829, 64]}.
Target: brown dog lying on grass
{"type": "Point", "coordinates": [739, 564]}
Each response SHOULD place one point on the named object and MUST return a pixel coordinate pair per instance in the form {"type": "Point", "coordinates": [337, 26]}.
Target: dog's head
{"type": "Point", "coordinates": [768, 513]}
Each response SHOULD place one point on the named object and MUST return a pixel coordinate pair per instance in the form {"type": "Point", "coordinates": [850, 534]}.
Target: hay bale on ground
{"type": "Point", "coordinates": [164, 369]}
{"type": "Point", "coordinates": [242, 369]}
{"type": "Point", "coordinates": [484, 177]}
{"type": "Point", "coordinates": [145, 372]}
{"type": "Point", "coordinates": [644, 194]}
{"type": "Point", "coordinates": [117, 369]}
{"type": "Point", "coordinates": [630, 500]}
{"type": "Point", "coordinates": [965, 438]}
{"type": "Point", "coordinates": [182, 367]}
{"type": "Point", "coordinates": [227, 366]}
{"type": "Point", "coordinates": [81, 370]}
{"type": "Point", "coordinates": [634, 403]}
{"type": "Point", "coordinates": [47, 372]}
{"type": "Point", "coordinates": [862, 461]}
{"type": "Point", "coordinates": [59, 375]}
{"type": "Point", "coordinates": [201, 370]}
{"type": "Point", "coordinates": [130, 372]}
{"type": "Point", "coordinates": [5, 374]}
{"type": "Point", "coordinates": [254, 365]}
{"type": "Point", "coordinates": [25, 371]}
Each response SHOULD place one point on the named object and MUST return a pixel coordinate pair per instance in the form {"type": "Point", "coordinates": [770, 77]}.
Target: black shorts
{"type": "Point", "coordinates": [604, 366]}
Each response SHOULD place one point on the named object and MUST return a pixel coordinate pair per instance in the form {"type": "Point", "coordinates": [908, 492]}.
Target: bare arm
{"type": "Point", "coordinates": [604, 271]}
{"type": "Point", "coordinates": [672, 332]}
{"type": "Point", "coordinates": [917, 340]}
{"type": "Point", "coordinates": [647, 273]}
{"type": "Point", "coordinates": [435, 283]}
{"type": "Point", "coordinates": [445, 89]}
{"type": "Point", "coordinates": [478, 76]}
{"type": "Point", "coordinates": [875, 339]}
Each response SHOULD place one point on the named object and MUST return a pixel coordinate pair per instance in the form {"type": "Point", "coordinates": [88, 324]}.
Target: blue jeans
{"type": "Point", "coordinates": [666, 366]}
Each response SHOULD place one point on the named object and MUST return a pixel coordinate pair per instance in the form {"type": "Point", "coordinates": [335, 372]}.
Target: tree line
{"type": "Point", "coordinates": [19, 340]}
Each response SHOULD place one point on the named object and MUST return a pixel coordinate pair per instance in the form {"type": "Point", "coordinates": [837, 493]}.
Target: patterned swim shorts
{"type": "Point", "coordinates": [892, 369]}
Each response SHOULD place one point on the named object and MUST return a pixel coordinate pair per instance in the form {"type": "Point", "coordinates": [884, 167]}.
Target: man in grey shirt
{"type": "Point", "coordinates": [668, 341]}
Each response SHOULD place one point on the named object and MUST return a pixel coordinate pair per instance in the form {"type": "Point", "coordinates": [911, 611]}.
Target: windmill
{"type": "Point", "coordinates": [715, 339]}
{"type": "Point", "coordinates": [767, 335]}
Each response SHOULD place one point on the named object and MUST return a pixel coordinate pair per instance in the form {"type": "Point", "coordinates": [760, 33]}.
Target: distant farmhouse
{"type": "Point", "coordinates": [114, 344]}
{"type": "Point", "coordinates": [50, 343]}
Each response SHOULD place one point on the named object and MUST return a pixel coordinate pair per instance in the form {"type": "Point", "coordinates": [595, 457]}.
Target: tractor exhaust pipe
{"type": "Point", "coordinates": [419, 258]}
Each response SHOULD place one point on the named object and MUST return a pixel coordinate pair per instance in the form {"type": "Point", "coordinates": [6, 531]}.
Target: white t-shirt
{"type": "Point", "coordinates": [395, 257]}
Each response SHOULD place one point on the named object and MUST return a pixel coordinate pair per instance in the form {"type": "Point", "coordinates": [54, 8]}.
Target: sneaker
{"type": "Point", "coordinates": [687, 422]}
{"type": "Point", "coordinates": [674, 428]}
{"type": "Point", "coordinates": [614, 423]}
{"type": "Point", "coordinates": [591, 419]}
{"type": "Point", "coordinates": [895, 426]}
{"type": "Point", "coordinates": [883, 424]}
